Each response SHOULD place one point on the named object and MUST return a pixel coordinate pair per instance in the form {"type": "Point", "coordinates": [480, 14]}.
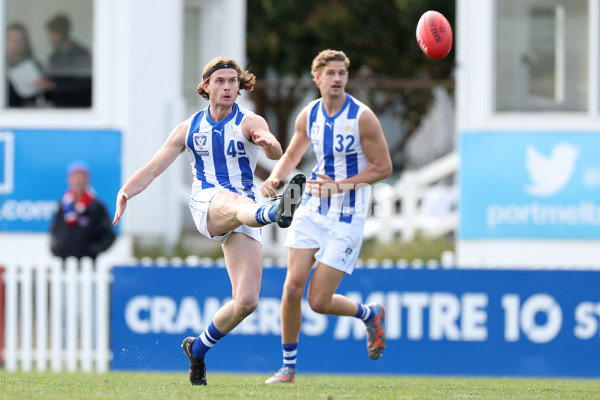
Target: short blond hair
{"type": "Point", "coordinates": [246, 78]}
{"type": "Point", "coordinates": [325, 56]}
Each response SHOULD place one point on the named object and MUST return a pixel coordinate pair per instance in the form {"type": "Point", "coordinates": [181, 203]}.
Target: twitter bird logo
{"type": "Point", "coordinates": [550, 174]}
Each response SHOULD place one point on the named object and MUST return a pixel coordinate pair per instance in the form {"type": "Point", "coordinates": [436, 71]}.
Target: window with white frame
{"type": "Point", "coordinates": [49, 53]}
{"type": "Point", "coordinates": [542, 55]}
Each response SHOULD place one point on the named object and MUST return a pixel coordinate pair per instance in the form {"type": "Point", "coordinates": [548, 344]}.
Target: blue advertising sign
{"type": "Point", "coordinates": [33, 172]}
{"type": "Point", "coordinates": [441, 322]}
{"type": "Point", "coordinates": [530, 185]}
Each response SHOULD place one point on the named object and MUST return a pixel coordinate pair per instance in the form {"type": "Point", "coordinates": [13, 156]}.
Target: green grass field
{"type": "Point", "coordinates": [114, 386]}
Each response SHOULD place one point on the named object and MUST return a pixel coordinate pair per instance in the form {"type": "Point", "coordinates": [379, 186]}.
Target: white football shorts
{"type": "Point", "coordinates": [199, 202]}
{"type": "Point", "coordinates": [338, 242]}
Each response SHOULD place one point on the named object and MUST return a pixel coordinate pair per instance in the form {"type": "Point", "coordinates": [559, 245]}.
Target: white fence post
{"type": "Point", "coordinates": [86, 312]}
{"type": "Point", "coordinates": [56, 316]}
{"type": "Point", "coordinates": [10, 327]}
{"type": "Point", "coordinates": [26, 336]}
{"type": "Point", "coordinates": [41, 315]}
{"type": "Point", "coordinates": [71, 313]}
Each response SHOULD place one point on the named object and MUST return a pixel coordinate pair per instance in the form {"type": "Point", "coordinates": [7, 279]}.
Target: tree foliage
{"type": "Point", "coordinates": [285, 35]}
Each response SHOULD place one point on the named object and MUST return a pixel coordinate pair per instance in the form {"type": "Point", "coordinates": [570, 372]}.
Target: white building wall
{"type": "Point", "coordinates": [151, 81]}
{"type": "Point", "coordinates": [475, 93]}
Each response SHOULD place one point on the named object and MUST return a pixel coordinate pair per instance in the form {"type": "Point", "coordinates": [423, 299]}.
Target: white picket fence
{"type": "Point", "coordinates": [425, 206]}
{"type": "Point", "coordinates": [57, 315]}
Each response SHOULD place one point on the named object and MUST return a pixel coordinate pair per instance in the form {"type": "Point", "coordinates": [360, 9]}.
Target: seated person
{"type": "Point", "coordinates": [68, 81]}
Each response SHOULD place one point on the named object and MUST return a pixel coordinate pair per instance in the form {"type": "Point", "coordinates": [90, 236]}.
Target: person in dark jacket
{"type": "Point", "coordinates": [81, 226]}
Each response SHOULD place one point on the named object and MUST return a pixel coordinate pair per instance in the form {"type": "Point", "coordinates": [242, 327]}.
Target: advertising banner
{"type": "Point", "coordinates": [33, 172]}
{"type": "Point", "coordinates": [530, 185]}
{"type": "Point", "coordinates": [440, 322]}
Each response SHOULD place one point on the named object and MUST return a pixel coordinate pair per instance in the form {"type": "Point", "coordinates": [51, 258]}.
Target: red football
{"type": "Point", "coordinates": [434, 35]}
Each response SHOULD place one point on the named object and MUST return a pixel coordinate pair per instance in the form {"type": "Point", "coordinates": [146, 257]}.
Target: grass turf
{"type": "Point", "coordinates": [122, 385]}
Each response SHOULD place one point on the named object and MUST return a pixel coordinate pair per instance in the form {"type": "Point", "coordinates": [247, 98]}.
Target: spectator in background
{"type": "Point", "coordinates": [22, 70]}
{"type": "Point", "coordinates": [81, 226]}
{"type": "Point", "coordinates": [69, 73]}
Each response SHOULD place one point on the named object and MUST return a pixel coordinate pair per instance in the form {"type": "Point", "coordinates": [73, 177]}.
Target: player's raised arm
{"type": "Point", "coordinates": [140, 180]}
{"type": "Point", "coordinates": [259, 134]}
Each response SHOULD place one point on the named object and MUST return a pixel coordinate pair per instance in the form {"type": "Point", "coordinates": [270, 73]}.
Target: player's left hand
{"type": "Point", "coordinates": [260, 140]}
{"type": "Point", "coordinates": [324, 186]}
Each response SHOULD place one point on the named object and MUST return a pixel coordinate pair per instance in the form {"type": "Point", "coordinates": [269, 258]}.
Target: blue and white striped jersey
{"type": "Point", "coordinates": [337, 146]}
{"type": "Point", "coordinates": [219, 153]}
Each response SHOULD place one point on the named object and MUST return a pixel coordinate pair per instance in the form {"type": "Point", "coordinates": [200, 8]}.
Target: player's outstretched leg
{"type": "Point", "coordinates": [197, 367]}
{"type": "Point", "coordinates": [284, 375]}
{"type": "Point", "coordinates": [290, 200]}
{"type": "Point", "coordinates": [376, 339]}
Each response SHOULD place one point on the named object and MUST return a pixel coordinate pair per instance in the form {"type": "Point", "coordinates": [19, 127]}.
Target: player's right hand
{"type": "Point", "coordinates": [121, 204]}
{"type": "Point", "coordinates": [269, 187]}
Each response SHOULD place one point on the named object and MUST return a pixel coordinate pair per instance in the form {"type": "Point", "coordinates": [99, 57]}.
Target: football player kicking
{"type": "Point", "coordinates": [222, 142]}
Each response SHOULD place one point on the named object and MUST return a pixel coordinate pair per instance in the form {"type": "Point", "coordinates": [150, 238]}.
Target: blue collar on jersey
{"type": "Point", "coordinates": [220, 124]}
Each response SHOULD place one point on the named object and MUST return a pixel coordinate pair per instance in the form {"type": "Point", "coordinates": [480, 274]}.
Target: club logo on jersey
{"type": "Point", "coordinates": [314, 134]}
{"type": "Point", "coordinates": [199, 140]}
